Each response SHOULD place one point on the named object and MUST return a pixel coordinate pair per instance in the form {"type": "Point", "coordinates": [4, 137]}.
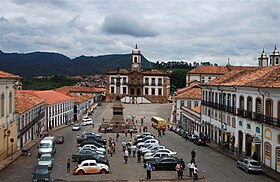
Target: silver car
{"type": "Point", "coordinates": [47, 160]}
{"type": "Point", "coordinates": [249, 165]}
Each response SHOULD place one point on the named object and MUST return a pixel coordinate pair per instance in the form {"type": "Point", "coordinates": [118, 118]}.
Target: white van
{"type": "Point", "coordinates": [47, 146]}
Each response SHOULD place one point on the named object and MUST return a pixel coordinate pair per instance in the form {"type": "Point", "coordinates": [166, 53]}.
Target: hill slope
{"type": "Point", "coordinates": [46, 63]}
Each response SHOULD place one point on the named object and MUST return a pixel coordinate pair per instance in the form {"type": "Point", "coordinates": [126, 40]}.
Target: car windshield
{"type": "Point", "coordinates": [41, 171]}
{"type": "Point", "coordinates": [45, 145]}
{"type": "Point", "coordinates": [255, 163]}
{"type": "Point", "coordinates": [76, 125]}
{"type": "Point", "coordinates": [45, 158]}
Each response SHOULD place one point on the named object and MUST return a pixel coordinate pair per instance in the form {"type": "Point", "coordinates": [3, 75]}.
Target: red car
{"type": "Point", "coordinates": [59, 139]}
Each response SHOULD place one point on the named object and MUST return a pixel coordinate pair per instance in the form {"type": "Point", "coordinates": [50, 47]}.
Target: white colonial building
{"type": "Point", "coordinates": [30, 117]}
{"type": "Point", "coordinates": [242, 108]}
{"type": "Point", "coordinates": [8, 129]}
{"type": "Point", "coordinates": [137, 85]}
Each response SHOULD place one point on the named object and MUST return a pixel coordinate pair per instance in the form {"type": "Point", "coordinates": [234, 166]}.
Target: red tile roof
{"type": "Point", "coordinates": [191, 92]}
{"type": "Point", "coordinates": [82, 89]}
{"type": "Point", "coordinates": [6, 75]}
{"type": "Point", "coordinates": [77, 98]}
{"type": "Point", "coordinates": [50, 96]}
{"type": "Point", "coordinates": [25, 101]}
{"type": "Point", "coordinates": [217, 70]}
{"type": "Point", "coordinates": [196, 109]}
{"type": "Point", "coordinates": [265, 77]}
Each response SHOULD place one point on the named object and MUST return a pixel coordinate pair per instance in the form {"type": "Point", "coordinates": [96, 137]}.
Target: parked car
{"type": "Point", "coordinates": [156, 155]}
{"type": "Point", "coordinates": [93, 147]}
{"type": "Point", "coordinates": [249, 165]}
{"type": "Point", "coordinates": [90, 167]}
{"type": "Point", "coordinates": [189, 135]}
{"type": "Point", "coordinates": [91, 137]}
{"type": "Point", "coordinates": [98, 158]}
{"type": "Point", "coordinates": [164, 163]}
{"type": "Point", "coordinates": [79, 153]}
{"type": "Point", "coordinates": [46, 159]}
{"type": "Point", "coordinates": [76, 127]}
{"type": "Point", "coordinates": [59, 139]}
{"type": "Point", "coordinates": [150, 149]}
{"type": "Point", "coordinates": [193, 138]}
{"type": "Point", "coordinates": [94, 142]}
{"type": "Point", "coordinates": [199, 141]}
{"type": "Point", "coordinates": [86, 121]}
{"type": "Point", "coordinates": [181, 131]}
{"type": "Point", "coordinates": [41, 173]}
{"type": "Point", "coordinates": [173, 154]}
{"type": "Point", "coordinates": [147, 143]}
{"type": "Point", "coordinates": [173, 128]}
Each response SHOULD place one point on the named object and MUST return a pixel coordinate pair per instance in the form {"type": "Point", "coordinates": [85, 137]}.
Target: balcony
{"type": "Point", "coordinates": [29, 125]}
{"type": "Point", "coordinates": [270, 120]}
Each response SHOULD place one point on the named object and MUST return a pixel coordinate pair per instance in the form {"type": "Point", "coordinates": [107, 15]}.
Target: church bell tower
{"type": "Point", "coordinates": [136, 59]}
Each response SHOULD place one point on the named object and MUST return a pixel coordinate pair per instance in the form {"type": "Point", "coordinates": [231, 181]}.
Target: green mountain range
{"type": "Point", "coordinates": [47, 63]}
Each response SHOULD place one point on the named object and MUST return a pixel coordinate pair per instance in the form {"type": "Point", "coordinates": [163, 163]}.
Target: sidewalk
{"type": "Point", "coordinates": [6, 162]}
{"type": "Point", "coordinates": [266, 170]}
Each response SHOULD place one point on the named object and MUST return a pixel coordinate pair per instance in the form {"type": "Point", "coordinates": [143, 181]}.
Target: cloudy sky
{"type": "Point", "coordinates": [188, 30]}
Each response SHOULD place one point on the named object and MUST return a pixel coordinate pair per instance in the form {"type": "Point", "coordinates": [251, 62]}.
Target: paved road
{"type": "Point", "coordinates": [212, 165]}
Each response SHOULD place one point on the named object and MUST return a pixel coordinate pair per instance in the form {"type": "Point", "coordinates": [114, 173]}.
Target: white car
{"type": "Point", "coordinates": [151, 149]}
{"type": "Point", "coordinates": [76, 127]}
{"type": "Point", "coordinates": [156, 155]}
{"type": "Point", "coordinates": [86, 121]}
{"type": "Point", "coordinates": [91, 166]}
{"type": "Point", "coordinates": [173, 154]}
{"type": "Point", "coordinates": [93, 147]}
{"type": "Point", "coordinates": [147, 143]}
{"type": "Point", "coordinates": [46, 159]}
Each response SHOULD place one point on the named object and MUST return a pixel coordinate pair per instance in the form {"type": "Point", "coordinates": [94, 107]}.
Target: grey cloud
{"type": "Point", "coordinates": [128, 24]}
{"type": "Point", "coordinates": [21, 20]}
{"type": "Point", "coordinates": [3, 19]}
{"type": "Point", "coordinates": [74, 21]}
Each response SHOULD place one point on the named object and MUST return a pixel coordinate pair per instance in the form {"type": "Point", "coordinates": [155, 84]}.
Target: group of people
{"type": "Point", "coordinates": [180, 167]}
{"type": "Point", "coordinates": [128, 148]}
{"type": "Point", "coordinates": [192, 166]}
{"type": "Point", "coordinates": [111, 146]}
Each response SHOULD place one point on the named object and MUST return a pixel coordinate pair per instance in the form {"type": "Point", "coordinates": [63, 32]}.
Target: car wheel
{"type": "Point", "coordinates": [81, 172]}
{"type": "Point", "coordinates": [246, 170]}
{"type": "Point", "coordinates": [103, 171]}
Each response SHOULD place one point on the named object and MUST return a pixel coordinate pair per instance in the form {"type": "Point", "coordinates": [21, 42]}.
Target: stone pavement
{"type": "Point", "coordinates": [6, 162]}
{"type": "Point", "coordinates": [236, 156]}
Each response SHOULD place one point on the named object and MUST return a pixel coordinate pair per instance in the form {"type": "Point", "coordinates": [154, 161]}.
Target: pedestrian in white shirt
{"type": "Point", "coordinates": [191, 167]}
{"type": "Point", "coordinates": [195, 171]}
{"type": "Point", "coordinates": [125, 155]}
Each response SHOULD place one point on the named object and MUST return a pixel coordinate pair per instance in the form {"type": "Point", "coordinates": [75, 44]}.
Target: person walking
{"type": "Point", "coordinates": [190, 166]}
{"type": "Point", "coordinates": [149, 171]}
{"type": "Point", "coordinates": [117, 137]}
{"type": "Point", "coordinates": [183, 166]}
{"type": "Point", "coordinates": [178, 168]}
{"type": "Point", "coordinates": [131, 131]}
{"type": "Point", "coordinates": [159, 133]}
{"type": "Point", "coordinates": [193, 155]}
{"type": "Point", "coordinates": [125, 132]}
{"type": "Point", "coordinates": [68, 165]}
{"type": "Point", "coordinates": [133, 148]}
{"type": "Point", "coordinates": [254, 156]}
{"type": "Point", "coordinates": [125, 156]}
{"type": "Point", "coordinates": [138, 156]}
{"type": "Point", "coordinates": [195, 171]}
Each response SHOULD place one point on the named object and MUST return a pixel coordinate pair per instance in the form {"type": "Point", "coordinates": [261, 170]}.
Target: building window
{"type": "Point", "coordinates": [240, 123]}
{"type": "Point", "coordinates": [124, 90]}
{"type": "Point", "coordinates": [278, 113]}
{"type": "Point", "coordinates": [276, 61]}
{"type": "Point", "coordinates": [160, 81]}
{"type": "Point", "coordinates": [153, 91]}
{"type": "Point", "coordinates": [2, 104]}
{"type": "Point", "coordinates": [228, 120]}
{"type": "Point", "coordinates": [258, 105]}
{"type": "Point", "coordinates": [278, 155]}
{"type": "Point", "coordinates": [112, 80]}
{"type": "Point", "coordinates": [189, 104]}
{"type": "Point", "coordinates": [258, 130]}
{"type": "Point", "coordinates": [146, 81]}
{"type": "Point", "coordinates": [269, 108]}
{"type": "Point", "coordinates": [10, 102]}
{"type": "Point", "coordinates": [267, 150]}
{"type": "Point", "coordinates": [153, 81]}
{"type": "Point", "coordinates": [124, 80]}
{"type": "Point", "coordinates": [233, 123]}
{"type": "Point", "coordinates": [135, 59]}
{"type": "Point", "coordinates": [112, 90]}
{"type": "Point", "coordinates": [202, 79]}
{"type": "Point", "coordinates": [248, 126]}
{"type": "Point", "coordinates": [241, 103]}
{"type": "Point", "coordinates": [209, 79]}
{"type": "Point", "coordinates": [195, 103]}
{"type": "Point", "coordinates": [182, 103]}
{"type": "Point", "coordinates": [159, 91]}
{"type": "Point", "coordinates": [146, 91]}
